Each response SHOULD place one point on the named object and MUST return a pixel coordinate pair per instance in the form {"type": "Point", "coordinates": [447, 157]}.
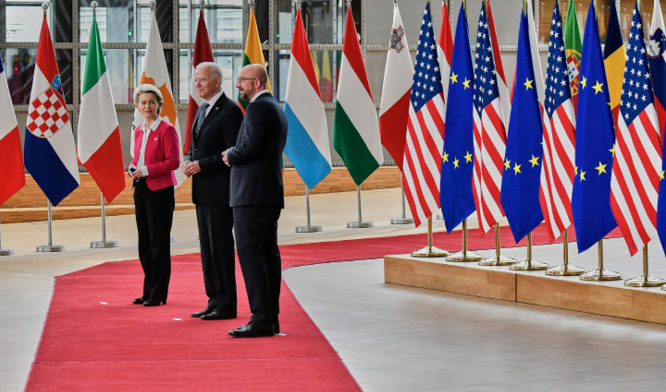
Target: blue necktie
{"type": "Point", "coordinates": [201, 115]}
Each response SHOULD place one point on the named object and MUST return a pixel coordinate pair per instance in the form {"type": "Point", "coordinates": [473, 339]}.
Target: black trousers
{"type": "Point", "coordinates": [154, 217]}
{"type": "Point", "coordinates": [259, 256]}
{"type": "Point", "coordinates": [218, 259]}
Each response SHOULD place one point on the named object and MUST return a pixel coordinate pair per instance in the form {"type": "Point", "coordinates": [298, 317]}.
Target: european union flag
{"type": "Point", "coordinates": [595, 140]}
{"type": "Point", "coordinates": [524, 150]}
{"type": "Point", "coordinates": [456, 197]}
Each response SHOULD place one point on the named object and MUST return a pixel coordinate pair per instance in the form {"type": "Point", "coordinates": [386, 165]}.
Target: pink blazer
{"type": "Point", "coordinates": [162, 155]}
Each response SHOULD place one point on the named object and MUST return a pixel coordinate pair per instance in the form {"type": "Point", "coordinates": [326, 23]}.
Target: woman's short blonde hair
{"type": "Point", "coordinates": [149, 88]}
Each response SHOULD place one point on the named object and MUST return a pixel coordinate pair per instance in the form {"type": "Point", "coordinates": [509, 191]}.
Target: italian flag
{"type": "Point", "coordinates": [253, 54]}
{"type": "Point", "coordinates": [356, 130]}
{"type": "Point", "coordinates": [100, 149]}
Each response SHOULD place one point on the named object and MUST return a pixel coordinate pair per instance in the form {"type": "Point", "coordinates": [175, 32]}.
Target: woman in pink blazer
{"type": "Point", "coordinates": [156, 156]}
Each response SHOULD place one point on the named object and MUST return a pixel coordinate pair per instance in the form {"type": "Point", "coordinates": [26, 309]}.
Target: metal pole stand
{"type": "Point", "coordinates": [430, 250]}
{"type": "Point", "coordinates": [529, 264]}
{"type": "Point", "coordinates": [308, 228]}
{"type": "Point", "coordinates": [645, 280]}
{"type": "Point", "coordinates": [464, 254]}
{"type": "Point", "coordinates": [498, 260]}
{"type": "Point", "coordinates": [360, 224]}
{"type": "Point", "coordinates": [601, 274]}
{"type": "Point", "coordinates": [403, 220]}
{"type": "Point", "coordinates": [5, 252]}
{"type": "Point", "coordinates": [50, 247]}
{"type": "Point", "coordinates": [103, 243]}
{"type": "Point", "coordinates": [565, 269]}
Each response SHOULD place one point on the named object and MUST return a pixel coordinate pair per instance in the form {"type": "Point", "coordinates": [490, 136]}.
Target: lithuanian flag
{"type": "Point", "coordinates": [253, 54]}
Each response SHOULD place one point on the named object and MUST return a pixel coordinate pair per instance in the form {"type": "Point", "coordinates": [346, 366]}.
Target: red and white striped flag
{"type": "Point", "coordinates": [489, 131]}
{"type": "Point", "coordinates": [637, 163]}
{"type": "Point", "coordinates": [445, 49]}
{"type": "Point", "coordinates": [505, 97]}
{"type": "Point", "coordinates": [559, 134]}
{"type": "Point", "coordinates": [422, 161]}
{"type": "Point", "coordinates": [202, 53]}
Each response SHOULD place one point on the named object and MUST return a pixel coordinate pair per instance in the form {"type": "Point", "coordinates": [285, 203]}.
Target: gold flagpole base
{"type": "Point", "coordinates": [601, 275]}
{"type": "Point", "coordinates": [495, 261]}
{"type": "Point", "coordinates": [565, 270]}
{"type": "Point", "coordinates": [429, 251]}
{"type": "Point", "coordinates": [529, 265]}
{"type": "Point", "coordinates": [644, 281]}
{"type": "Point", "coordinates": [464, 256]}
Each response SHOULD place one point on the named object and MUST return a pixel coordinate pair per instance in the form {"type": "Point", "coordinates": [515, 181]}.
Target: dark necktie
{"type": "Point", "coordinates": [201, 115]}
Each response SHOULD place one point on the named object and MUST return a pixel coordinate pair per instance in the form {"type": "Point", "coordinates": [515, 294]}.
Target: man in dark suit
{"type": "Point", "coordinates": [214, 130]}
{"type": "Point", "coordinates": [257, 197]}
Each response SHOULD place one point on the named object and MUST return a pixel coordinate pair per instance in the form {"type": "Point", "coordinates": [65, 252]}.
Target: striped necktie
{"type": "Point", "coordinates": [201, 115]}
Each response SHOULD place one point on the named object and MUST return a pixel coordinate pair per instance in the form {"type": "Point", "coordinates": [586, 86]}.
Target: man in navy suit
{"type": "Point", "coordinates": [257, 197]}
{"type": "Point", "coordinates": [214, 130]}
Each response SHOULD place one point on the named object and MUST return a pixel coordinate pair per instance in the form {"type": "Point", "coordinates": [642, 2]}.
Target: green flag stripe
{"type": "Point", "coordinates": [95, 65]}
{"type": "Point", "coordinates": [351, 147]}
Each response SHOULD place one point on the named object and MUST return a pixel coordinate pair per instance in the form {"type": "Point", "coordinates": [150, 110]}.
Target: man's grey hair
{"type": "Point", "coordinates": [215, 70]}
{"type": "Point", "coordinates": [149, 88]}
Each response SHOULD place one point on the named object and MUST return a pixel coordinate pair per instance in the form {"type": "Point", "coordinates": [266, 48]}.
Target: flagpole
{"type": "Point", "coordinates": [601, 274]}
{"type": "Point", "coordinates": [5, 252]}
{"type": "Point", "coordinates": [308, 228]}
{"type": "Point", "coordinates": [429, 250]}
{"type": "Point", "coordinates": [464, 255]}
{"type": "Point", "coordinates": [360, 224]}
{"type": "Point", "coordinates": [403, 220]}
{"type": "Point", "coordinates": [497, 260]}
{"type": "Point", "coordinates": [50, 247]}
{"type": "Point", "coordinates": [103, 243]}
{"type": "Point", "coordinates": [645, 280]}
{"type": "Point", "coordinates": [529, 264]}
{"type": "Point", "coordinates": [565, 269]}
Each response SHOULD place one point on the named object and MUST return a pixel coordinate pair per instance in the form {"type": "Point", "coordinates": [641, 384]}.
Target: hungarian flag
{"type": "Point", "coordinates": [155, 72]}
{"type": "Point", "coordinates": [12, 173]}
{"type": "Point", "coordinates": [614, 60]}
{"type": "Point", "coordinates": [100, 149]}
{"type": "Point", "coordinates": [637, 163]}
{"type": "Point", "coordinates": [307, 140]}
{"type": "Point", "coordinates": [253, 54]}
{"type": "Point", "coordinates": [49, 150]}
{"type": "Point", "coordinates": [394, 107]}
{"type": "Point", "coordinates": [574, 45]}
{"type": "Point", "coordinates": [202, 53]}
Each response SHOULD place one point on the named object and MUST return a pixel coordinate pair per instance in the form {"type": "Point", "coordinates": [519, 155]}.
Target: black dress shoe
{"type": "Point", "coordinates": [215, 315]}
{"type": "Point", "coordinates": [252, 330]}
{"type": "Point", "coordinates": [138, 301]}
{"type": "Point", "coordinates": [154, 302]}
{"type": "Point", "coordinates": [202, 313]}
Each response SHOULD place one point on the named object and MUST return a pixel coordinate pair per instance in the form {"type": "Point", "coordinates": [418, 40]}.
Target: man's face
{"type": "Point", "coordinates": [207, 85]}
{"type": "Point", "coordinates": [247, 85]}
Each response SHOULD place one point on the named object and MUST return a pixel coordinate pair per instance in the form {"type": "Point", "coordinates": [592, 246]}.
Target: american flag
{"type": "Point", "coordinates": [425, 129]}
{"type": "Point", "coordinates": [489, 131]}
{"type": "Point", "coordinates": [637, 162]}
{"type": "Point", "coordinates": [559, 154]}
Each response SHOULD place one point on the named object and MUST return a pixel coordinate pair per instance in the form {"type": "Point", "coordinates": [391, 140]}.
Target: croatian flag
{"type": "Point", "coordinates": [307, 140]}
{"type": "Point", "coordinates": [13, 174]}
{"type": "Point", "coordinates": [50, 154]}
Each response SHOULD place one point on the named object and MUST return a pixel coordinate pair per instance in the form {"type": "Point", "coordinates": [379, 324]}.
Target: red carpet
{"type": "Point", "coordinates": [95, 339]}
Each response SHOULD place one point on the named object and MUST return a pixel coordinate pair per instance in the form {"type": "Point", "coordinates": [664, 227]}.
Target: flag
{"type": "Point", "coordinates": [326, 81]}
{"type": "Point", "coordinates": [456, 195]}
{"type": "Point", "coordinates": [253, 53]}
{"type": "Point", "coordinates": [574, 45]}
{"type": "Point", "coordinates": [637, 163]}
{"type": "Point", "coordinates": [100, 149]}
{"type": "Point", "coordinates": [445, 49]}
{"type": "Point", "coordinates": [202, 53]}
{"type": "Point", "coordinates": [614, 59]}
{"type": "Point", "coordinates": [559, 136]}
{"type": "Point", "coordinates": [13, 173]}
{"type": "Point", "coordinates": [425, 128]}
{"type": "Point", "coordinates": [50, 154]}
{"type": "Point", "coordinates": [155, 72]}
{"type": "Point", "coordinates": [524, 152]}
{"type": "Point", "coordinates": [307, 140]}
{"type": "Point", "coordinates": [397, 90]}
{"type": "Point", "coordinates": [505, 97]}
{"type": "Point", "coordinates": [356, 129]}
{"type": "Point", "coordinates": [489, 131]}
{"type": "Point", "coordinates": [656, 50]}
{"type": "Point", "coordinates": [595, 137]}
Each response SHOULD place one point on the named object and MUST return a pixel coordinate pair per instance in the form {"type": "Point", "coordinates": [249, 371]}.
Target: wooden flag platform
{"type": "Point", "coordinates": [529, 287]}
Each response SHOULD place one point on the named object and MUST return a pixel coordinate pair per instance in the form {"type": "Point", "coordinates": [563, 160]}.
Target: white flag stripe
{"type": "Point", "coordinates": [629, 156]}
{"type": "Point", "coordinates": [97, 116]}
{"type": "Point", "coordinates": [356, 106]}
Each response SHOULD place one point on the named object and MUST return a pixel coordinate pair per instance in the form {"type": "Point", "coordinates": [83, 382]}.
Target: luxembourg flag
{"type": "Point", "coordinates": [12, 173]}
{"type": "Point", "coordinates": [50, 154]}
{"type": "Point", "coordinates": [307, 140]}
{"type": "Point", "coordinates": [100, 149]}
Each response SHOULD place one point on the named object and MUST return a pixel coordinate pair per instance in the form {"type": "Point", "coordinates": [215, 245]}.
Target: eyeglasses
{"type": "Point", "coordinates": [241, 79]}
